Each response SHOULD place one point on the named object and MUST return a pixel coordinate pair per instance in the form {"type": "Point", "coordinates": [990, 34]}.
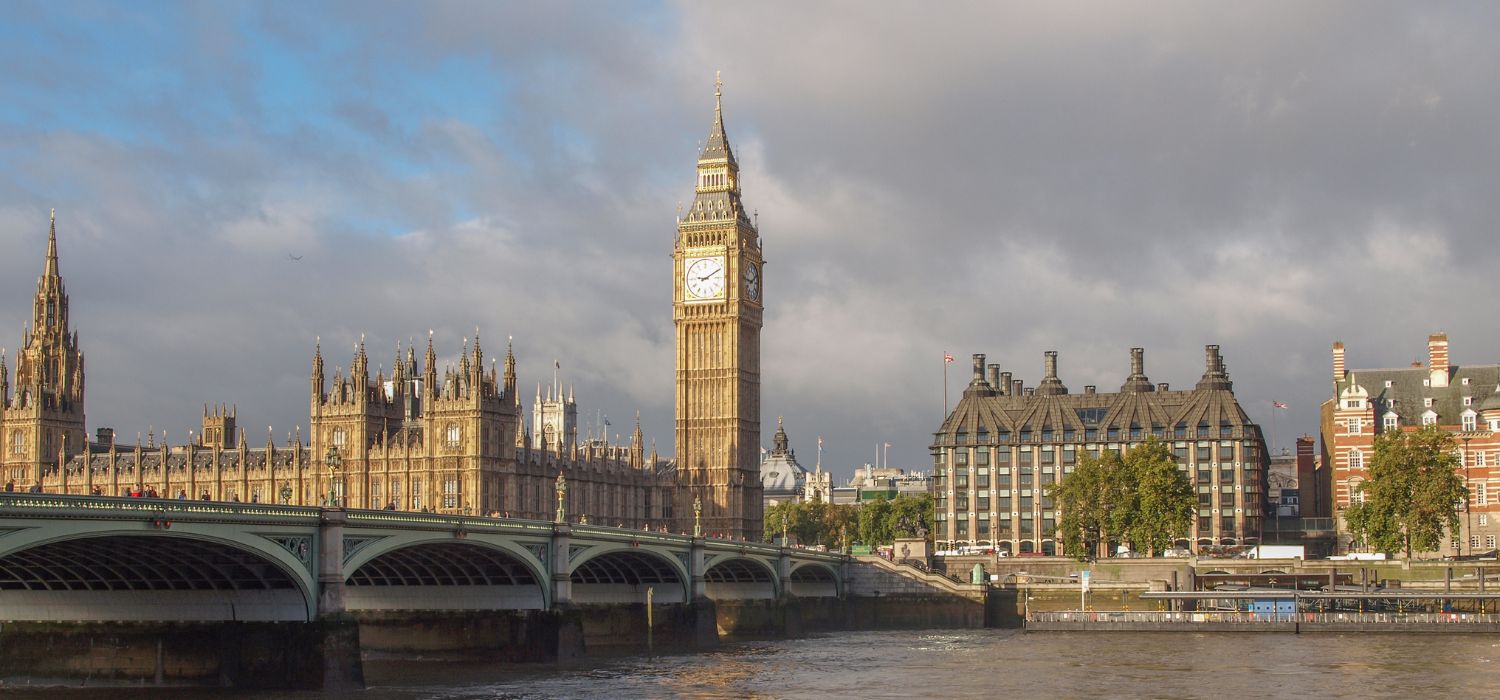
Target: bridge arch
{"type": "Point", "coordinates": [813, 580]}
{"type": "Point", "coordinates": [622, 575]}
{"type": "Point", "coordinates": [740, 578]}
{"type": "Point", "coordinates": [444, 574]}
{"type": "Point", "coordinates": [152, 575]}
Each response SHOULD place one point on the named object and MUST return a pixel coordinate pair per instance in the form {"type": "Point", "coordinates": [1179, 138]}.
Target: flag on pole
{"type": "Point", "coordinates": [1278, 404]}
{"type": "Point", "coordinates": [888, 446]}
{"type": "Point", "coordinates": [947, 359]}
{"type": "Point", "coordinates": [820, 441]}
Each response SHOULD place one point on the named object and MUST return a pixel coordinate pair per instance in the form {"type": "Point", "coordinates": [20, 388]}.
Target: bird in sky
{"type": "Point", "coordinates": [293, 258]}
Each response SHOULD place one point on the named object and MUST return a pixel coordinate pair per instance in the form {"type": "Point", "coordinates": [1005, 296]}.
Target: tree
{"type": "Point", "coordinates": [1087, 499]}
{"type": "Point", "coordinates": [874, 523]}
{"type": "Point", "coordinates": [811, 523]}
{"type": "Point", "coordinates": [1140, 498]}
{"type": "Point", "coordinates": [1161, 503]}
{"type": "Point", "coordinates": [1412, 494]}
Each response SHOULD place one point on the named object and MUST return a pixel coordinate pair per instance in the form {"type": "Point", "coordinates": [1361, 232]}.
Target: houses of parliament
{"type": "Point", "coordinates": [453, 439]}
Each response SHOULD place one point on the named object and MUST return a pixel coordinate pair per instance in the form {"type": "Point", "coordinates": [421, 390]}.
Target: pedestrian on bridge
{"type": "Point", "coordinates": [10, 486]}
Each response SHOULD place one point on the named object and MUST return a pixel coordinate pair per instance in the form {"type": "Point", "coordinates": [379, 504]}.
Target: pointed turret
{"type": "Point", "coordinates": [429, 370]}
{"type": "Point", "coordinates": [510, 372]}
{"type": "Point", "coordinates": [317, 372]}
{"type": "Point", "coordinates": [50, 271]}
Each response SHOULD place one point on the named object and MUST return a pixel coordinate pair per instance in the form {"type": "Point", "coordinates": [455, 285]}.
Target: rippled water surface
{"type": "Point", "coordinates": [966, 664]}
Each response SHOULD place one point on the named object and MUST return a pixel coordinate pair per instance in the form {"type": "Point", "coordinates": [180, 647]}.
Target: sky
{"type": "Point", "coordinates": [996, 177]}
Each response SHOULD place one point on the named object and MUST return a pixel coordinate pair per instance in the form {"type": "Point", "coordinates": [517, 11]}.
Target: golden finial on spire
{"type": "Point", "coordinates": [54, 215]}
{"type": "Point", "coordinates": [718, 91]}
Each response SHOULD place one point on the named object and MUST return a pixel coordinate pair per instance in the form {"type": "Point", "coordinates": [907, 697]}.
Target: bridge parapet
{"type": "Point", "coordinates": [107, 507]}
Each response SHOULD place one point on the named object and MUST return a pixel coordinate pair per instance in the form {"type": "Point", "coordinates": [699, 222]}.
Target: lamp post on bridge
{"type": "Point", "coordinates": [335, 463]}
{"type": "Point", "coordinates": [562, 495]}
{"type": "Point", "coordinates": [697, 516]}
{"type": "Point", "coordinates": [286, 493]}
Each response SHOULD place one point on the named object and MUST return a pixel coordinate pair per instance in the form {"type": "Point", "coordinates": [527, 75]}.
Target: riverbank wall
{"type": "Point", "coordinates": [257, 655]}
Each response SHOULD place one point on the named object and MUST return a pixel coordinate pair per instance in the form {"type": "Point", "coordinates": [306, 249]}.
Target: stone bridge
{"type": "Point", "coordinates": [104, 559]}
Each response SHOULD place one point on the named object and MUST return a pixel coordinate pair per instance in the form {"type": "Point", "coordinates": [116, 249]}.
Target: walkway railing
{"type": "Point", "coordinates": [93, 507]}
{"type": "Point", "coordinates": [1261, 618]}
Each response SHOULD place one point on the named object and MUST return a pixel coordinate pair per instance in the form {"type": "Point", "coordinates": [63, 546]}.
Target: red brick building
{"type": "Point", "coordinates": [1462, 399]}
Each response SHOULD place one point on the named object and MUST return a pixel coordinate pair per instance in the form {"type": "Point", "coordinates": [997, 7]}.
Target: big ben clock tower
{"type": "Point", "coordinates": [717, 309]}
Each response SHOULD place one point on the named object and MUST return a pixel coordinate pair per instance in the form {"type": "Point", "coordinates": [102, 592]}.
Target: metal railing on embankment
{"type": "Point", "coordinates": [1103, 618]}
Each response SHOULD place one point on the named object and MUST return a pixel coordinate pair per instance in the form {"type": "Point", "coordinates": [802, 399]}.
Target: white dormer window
{"type": "Point", "coordinates": [1392, 421]}
{"type": "Point", "coordinates": [1469, 420]}
{"type": "Point", "coordinates": [1426, 382]}
{"type": "Point", "coordinates": [1468, 401]}
{"type": "Point", "coordinates": [1495, 424]}
{"type": "Point", "coordinates": [1466, 381]}
{"type": "Point", "coordinates": [1427, 402]}
{"type": "Point", "coordinates": [1429, 418]}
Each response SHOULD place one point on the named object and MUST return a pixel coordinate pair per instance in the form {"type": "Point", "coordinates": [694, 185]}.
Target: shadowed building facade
{"type": "Point", "coordinates": [1005, 444]}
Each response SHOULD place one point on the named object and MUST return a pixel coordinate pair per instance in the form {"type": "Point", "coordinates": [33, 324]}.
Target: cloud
{"type": "Point", "coordinates": [1005, 178]}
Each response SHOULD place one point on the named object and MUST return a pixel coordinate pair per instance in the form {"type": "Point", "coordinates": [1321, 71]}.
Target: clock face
{"type": "Point", "coordinates": [705, 278]}
{"type": "Point", "coordinates": [752, 282]}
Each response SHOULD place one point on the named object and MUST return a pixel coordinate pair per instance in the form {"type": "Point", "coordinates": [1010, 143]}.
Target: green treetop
{"type": "Point", "coordinates": [1412, 494]}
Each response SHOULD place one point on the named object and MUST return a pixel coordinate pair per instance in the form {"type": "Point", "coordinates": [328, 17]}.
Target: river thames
{"type": "Point", "coordinates": [963, 664]}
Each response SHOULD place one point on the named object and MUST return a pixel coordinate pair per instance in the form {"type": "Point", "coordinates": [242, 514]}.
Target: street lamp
{"type": "Point", "coordinates": [286, 493]}
{"type": "Point", "coordinates": [334, 463]}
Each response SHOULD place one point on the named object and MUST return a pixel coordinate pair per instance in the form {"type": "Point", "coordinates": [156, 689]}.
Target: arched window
{"type": "Point", "coordinates": [338, 437]}
{"type": "Point", "coordinates": [453, 434]}
{"type": "Point", "coordinates": [17, 442]}
{"type": "Point", "coordinates": [1356, 493]}
{"type": "Point", "coordinates": [1392, 421]}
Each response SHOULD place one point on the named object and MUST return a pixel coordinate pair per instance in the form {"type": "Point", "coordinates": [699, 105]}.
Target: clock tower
{"type": "Point", "coordinates": [717, 310]}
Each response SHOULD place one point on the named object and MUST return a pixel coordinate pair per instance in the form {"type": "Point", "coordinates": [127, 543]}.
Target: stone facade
{"type": "Point", "coordinates": [1005, 444]}
{"type": "Point", "coordinates": [1461, 399]}
{"type": "Point", "coordinates": [717, 308]}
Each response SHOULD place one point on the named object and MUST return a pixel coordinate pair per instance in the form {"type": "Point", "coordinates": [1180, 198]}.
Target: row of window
{"type": "Point", "coordinates": [1468, 422]}
{"type": "Point", "coordinates": [1135, 432]}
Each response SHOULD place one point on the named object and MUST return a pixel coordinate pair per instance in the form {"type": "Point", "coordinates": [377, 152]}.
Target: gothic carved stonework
{"type": "Point", "coordinates": [717, 309]}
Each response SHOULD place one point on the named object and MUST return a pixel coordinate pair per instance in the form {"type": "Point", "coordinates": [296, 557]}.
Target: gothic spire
{"type": "Point", "coordinates": [51, 269]}
{"type": "Point", "coordinates": [717, 147]}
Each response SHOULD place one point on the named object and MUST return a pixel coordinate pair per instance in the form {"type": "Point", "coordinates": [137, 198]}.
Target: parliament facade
{"type": "Point", "coordinates": [1005, 444]}
{"type": "Point", "coordinates": [449, 439]}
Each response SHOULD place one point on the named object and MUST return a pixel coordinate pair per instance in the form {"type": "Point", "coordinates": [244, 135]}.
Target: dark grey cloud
{"type": "Point", "coordinates": [1001, 178]}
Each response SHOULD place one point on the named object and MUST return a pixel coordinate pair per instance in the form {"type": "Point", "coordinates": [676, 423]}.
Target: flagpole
{"type": "Point", "coordinates": [945, 389]}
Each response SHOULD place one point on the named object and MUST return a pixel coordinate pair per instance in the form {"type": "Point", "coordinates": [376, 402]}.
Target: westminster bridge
{"type": "Point", "coordinates": [135, 590]}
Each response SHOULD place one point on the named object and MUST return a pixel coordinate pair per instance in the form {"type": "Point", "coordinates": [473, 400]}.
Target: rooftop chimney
{"type": "Point", "coordinates": [1338, 361]}
{"type": "Point", "coordinates": [1214, 376]}
{"type": "Point", "coordinates": [1015, 388]}
{"type": "Point", "coordinates": [1088, 390]}
{"type": "Point", "coordinates": [995, 376]}
{"type": "Point", "coordinates": [1437, 359]}
{"type": "Point", "coordinates": [1163, 386]}
{"type": "Point", "coordinates": [105, 436]}
{"type": "Point", "coordinates": [1137, 380]}
{"type": "Point", "coordinates": [1004, 386]}
{"type": "Point", "coordinates": [1029, 391]}
{"type": "Point", "coordinates": [1051, 385]}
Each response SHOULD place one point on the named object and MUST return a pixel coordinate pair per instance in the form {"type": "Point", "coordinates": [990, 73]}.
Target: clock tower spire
{"type": "Point", "coordinates": [717, 311]}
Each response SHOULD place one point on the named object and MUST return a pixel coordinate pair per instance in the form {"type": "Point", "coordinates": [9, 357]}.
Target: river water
{"type": "Point", "coordinates": [964, 664]}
